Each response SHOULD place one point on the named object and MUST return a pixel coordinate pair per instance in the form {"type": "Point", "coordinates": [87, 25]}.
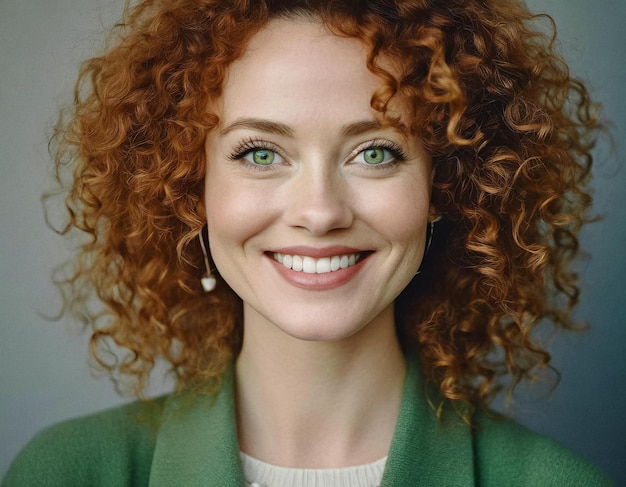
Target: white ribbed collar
{"type": "Point", "coordinates": [261, 474]}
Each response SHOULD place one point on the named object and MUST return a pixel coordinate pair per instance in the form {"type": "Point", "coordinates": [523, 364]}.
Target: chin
{"type": "Point", "coordinates": [320, 333]}
{"type": "Point", "coordinates": [320, 327]}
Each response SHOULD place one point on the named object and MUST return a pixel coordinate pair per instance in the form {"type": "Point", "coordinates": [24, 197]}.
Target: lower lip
{"type": "Point", "coordinates": [319, 282]}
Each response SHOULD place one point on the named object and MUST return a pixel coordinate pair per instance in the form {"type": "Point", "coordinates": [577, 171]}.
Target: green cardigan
{"type": "Point", "coordinates": [192, 441]}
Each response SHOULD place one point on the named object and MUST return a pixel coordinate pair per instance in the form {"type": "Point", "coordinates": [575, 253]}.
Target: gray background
{"type": "Point", "coordinates": [44, 376]}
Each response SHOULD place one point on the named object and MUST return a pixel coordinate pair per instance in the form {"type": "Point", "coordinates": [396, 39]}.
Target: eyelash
{"type": "Point", "coordinates": [251, 144]}
{"type": "Point", "coordinates": [396, 151]}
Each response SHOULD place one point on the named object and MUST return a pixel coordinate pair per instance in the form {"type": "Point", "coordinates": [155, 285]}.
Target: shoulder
{"type": "Point", "coordinates": [510, 454]}
{"type": "Point", "coordinates": [113, 447]}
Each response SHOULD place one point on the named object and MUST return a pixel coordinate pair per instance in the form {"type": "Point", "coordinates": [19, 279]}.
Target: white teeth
{"type": "Point", "coordinates": [323, 265]}
{"type": "Point", "coordinates": [310, 265]}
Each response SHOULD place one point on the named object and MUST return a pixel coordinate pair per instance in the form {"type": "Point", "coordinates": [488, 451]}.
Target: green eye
{"type": "Point", "coordinates": [374, 155]}
{"type": "Point", "coordinates": [263, 157]}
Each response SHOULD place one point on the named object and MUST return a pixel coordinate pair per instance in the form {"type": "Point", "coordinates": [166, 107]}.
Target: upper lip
{"type": "Point", "coordinates": [317, 252]}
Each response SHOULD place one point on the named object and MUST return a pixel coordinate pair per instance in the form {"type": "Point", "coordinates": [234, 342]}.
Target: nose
{"type": "Point", "coordinates": [319, 200]}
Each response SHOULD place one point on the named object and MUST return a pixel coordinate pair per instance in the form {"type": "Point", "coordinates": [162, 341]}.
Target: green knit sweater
{"type": "Point", "coordinates": [192, 441]}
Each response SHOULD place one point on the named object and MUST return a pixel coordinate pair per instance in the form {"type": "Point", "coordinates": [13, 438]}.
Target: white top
{"type": "Point", "coordinates": [261, 474]}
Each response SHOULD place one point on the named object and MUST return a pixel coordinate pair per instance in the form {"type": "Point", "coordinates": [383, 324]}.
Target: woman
{"type": "Point", "coordinates": [339, 222]}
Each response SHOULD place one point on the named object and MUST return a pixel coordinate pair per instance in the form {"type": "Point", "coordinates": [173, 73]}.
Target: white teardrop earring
{"type": "Point", "coordinates": [208, 280]}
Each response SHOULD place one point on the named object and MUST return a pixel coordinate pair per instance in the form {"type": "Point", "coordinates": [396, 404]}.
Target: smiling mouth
{"type": "Point", "coordinates": [311, 265]}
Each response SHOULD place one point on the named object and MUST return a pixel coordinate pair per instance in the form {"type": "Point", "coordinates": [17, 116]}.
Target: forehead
{"type": "Point", "coordinates": [296, 65]}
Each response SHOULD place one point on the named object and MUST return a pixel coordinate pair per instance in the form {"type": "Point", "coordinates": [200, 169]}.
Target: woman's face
{"type": "Point", "coordinates": [316, 214]}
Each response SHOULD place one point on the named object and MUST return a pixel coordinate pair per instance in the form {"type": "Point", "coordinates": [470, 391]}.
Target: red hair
{"type": "Point", "coordinates": [509, 130]}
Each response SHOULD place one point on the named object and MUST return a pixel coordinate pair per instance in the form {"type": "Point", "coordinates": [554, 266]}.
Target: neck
{"type": "Point", "coordinates": [316, 404]}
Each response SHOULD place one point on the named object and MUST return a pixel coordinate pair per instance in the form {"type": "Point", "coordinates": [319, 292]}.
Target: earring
{"type": "Point", "coordinates": [430, 238]}
{"type": "Point", "coordinates": [208, 280]}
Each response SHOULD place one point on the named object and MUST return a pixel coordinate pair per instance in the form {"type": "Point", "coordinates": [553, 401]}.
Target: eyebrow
{"type": "Point", "coordinates": [358, 128]}
{"type": "Point", "coordinates": [268, 126]}
{"type": "Point", "coordinates": [259, 125]}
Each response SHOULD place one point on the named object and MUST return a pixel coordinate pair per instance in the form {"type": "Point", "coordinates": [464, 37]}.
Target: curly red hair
{"type": "Point", "coordinates": [509, 130]}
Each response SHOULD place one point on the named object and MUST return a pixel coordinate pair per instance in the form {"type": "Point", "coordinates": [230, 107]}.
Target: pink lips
{"type": "Point", "coordinates": [318, 282]}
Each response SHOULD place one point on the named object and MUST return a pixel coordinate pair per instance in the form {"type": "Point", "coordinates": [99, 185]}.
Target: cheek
{"type": "Point", "coordinates": [400, 212]}
{"type": "Point", "coordinates": [235, 209]}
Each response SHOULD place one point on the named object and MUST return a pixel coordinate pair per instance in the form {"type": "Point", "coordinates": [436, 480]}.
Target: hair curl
{"type": "Point", "coordinates": [509, 130]}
